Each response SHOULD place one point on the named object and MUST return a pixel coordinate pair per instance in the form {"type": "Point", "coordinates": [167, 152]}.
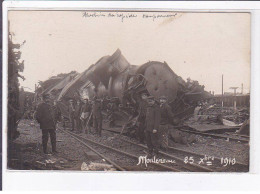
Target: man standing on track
{"type": "Point", "coordinates": [166, 119]}
{"type": "Point", "coordinates": [112, 107]}
{"type": "Point", "coordinates": [57, 111]}
{"type": "Point", "coordinates": [141, 117]}
{"type": "Point", "coordinates": [45, 115]}
{"type": "Point", "coordinates": [77, 116]}
{"type": "Point", "coordinates": [152, 122]}
{"type": "Point", "coordinates": [71, 111]}
{"type": "Point", "coordinates": [97, 115]}
{"type": "Point", "coordinates": [85, 114]}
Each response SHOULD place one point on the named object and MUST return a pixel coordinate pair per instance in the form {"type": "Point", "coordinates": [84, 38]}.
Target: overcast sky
{"type": "Point", "coordinates": [202, 46]}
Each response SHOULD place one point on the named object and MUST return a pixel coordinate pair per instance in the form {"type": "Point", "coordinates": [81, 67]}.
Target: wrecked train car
{"type": "Point", "coordinates": [114, 77]}
{"type": "Point", "coordinates": [53, 85]}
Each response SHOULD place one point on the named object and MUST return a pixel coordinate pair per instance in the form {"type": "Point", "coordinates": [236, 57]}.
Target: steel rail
{"type": "Point", "coordinates": [180, 150]}
{"type": "Point", "coordinates": [239, 135]}
{"type": "Point", "coordinates": [92, 149]}
{"type": "Point", "coordinates": [166, 154]}
{"type": "Point", "coordinates": [215, 135]}
{"type": "Point", "coordinates": [188, 165]}
{"type": "Point", "coordinates": [123, 152]}
{"type": "Point", "coordinates": [203, 134]}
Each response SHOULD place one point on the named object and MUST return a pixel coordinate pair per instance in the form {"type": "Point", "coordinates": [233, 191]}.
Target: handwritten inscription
{"type": "Point", "coordinates": [128, 15]}
{"type": "Point", "coordinates": [154, 160]}
{"type": "Point", "coordinates": [158, 16]}
{"type": "Point", "coordinates": [228, 161]}
{"type": "Point", "coordinates": [93, 14]}
{"type": "Point", "coordinates": [208, 160]}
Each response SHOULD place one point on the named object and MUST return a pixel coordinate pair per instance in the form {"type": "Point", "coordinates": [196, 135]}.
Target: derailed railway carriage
{"type": "Point", "coordinates": [114, 77]}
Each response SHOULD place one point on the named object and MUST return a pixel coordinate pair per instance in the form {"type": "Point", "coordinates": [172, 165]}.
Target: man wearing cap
{"type": "Point", "coordinates": [152, 122]}
{"type": "Point", "coordinates": [77, 116]}
{"type": "Point", "coordinates": [85, 114]}
{"type": "Point", "coordinates": [97, 115]}
{"type": "Point", "coordinates": [57, 111]}
{"type": "Point", "coordinates": [111, 109]}
{"type": "Point", "coordinates": [71, 111]}
{"type": "Point", "coordinates": [45, 115]}
{"type": "Point", "coordinates": [141, 117]}
{"type": "Point", "coordinates": [166, 119]}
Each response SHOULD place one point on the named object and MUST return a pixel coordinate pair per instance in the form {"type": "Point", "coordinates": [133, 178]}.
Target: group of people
{"type": "Point", "coordinates": [81, 115]}
{"type": "Point", "coordinates": [154, 120]}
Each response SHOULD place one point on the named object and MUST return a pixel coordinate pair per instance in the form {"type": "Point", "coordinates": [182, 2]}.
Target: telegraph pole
{"type": "Point", "coordinates": [222, 94]}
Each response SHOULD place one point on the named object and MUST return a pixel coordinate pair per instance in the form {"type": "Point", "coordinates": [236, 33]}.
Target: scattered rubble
{"type": "Point", "coordinates": [97, 167]}
{"type": "Point", "coordinates": [182, 137]}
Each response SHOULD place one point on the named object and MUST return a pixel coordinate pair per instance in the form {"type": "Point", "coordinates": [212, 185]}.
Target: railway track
{"type": "Point", "coordinates": [241, 138]}
{"type": "Point", "coordinates": [193, 167]}
{"type": "Point", "coordinates": [102, 156]}
{"type": "Point", "coordinates": [98, 148]}
{"type": "Point", "coordinates": [196, 156]}
{"type": "Point", "coordinates": [179, 166]}
{"type": "Point", "coordinates": [213, 135]}
{"type": "Point", "coordinates": [172, 152]}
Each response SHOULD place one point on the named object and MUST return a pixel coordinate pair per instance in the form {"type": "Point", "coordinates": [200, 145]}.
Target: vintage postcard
{"type": "Point", "coordinates": [128, 91]}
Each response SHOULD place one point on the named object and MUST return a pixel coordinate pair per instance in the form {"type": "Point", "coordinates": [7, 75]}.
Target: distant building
{"type": "Point", "coordinates": [229, 98]}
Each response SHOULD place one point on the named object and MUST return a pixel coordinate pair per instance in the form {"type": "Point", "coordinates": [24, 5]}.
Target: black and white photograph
{"type": "Point", "coordinates": [104, 90]}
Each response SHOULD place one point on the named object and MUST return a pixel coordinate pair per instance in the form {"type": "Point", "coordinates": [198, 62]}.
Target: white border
{"type": "Point", "coordinates": [142, 181]}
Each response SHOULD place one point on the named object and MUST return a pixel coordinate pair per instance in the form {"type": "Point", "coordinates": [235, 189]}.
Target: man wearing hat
{"type": "Point", "coordinates": [85, 115]}
{"type": "Point", "coordinates": [152, 123]}
{"type": "Point", "coordinates": [166, 119]}
{"type": "Point", "coordinates": [97, 115]}
{"type": "Point", "coordinates": [77, 115]}
{"type": "Point", "coordinates": [141, 117]}
{"type": "Point", "coordinates": [111, 109]}
{"type": "Point", "coordinates": [57, 111]}
{"type": "Point", "coordinates": [71, 111]}
{"type": "Point", "coordinates": [45, 115]}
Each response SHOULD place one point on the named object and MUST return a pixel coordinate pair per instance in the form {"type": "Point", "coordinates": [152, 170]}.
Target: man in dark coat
{"type": "Point", "coordinates": [141, 117]}
{"type": "Point", "coordinates": [77, 116]}
{"type": "Point", "coordinates": [166, 120]}
{"type": "Point", "coordinates": [152, 122]}
{"type": "Point", "coordinates": [57, 111]}
{"type": "Point", "coordinates": [71, 111]}
{"type": "Point", "coordinates": [111, 107]}
{"type": "Point", "coordinates": [97, 115]}
{"type": "Point", "coordinates": [45, 115]}
{"type": "Point", "coordinates": [85, 116]}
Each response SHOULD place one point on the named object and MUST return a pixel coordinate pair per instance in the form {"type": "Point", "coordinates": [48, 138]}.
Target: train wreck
{"type": "Point", "coordinates": [113, 77]}
{"type": "Point", "coordinates": [112, 92]}
{"type": "Point", "coordinates": [120, 89]}
{"type": "Point", "coordinates": [114, 80]}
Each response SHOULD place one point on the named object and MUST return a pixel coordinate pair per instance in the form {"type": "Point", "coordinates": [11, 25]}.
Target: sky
{"type": "Point", "coordinates": [202, 46]}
